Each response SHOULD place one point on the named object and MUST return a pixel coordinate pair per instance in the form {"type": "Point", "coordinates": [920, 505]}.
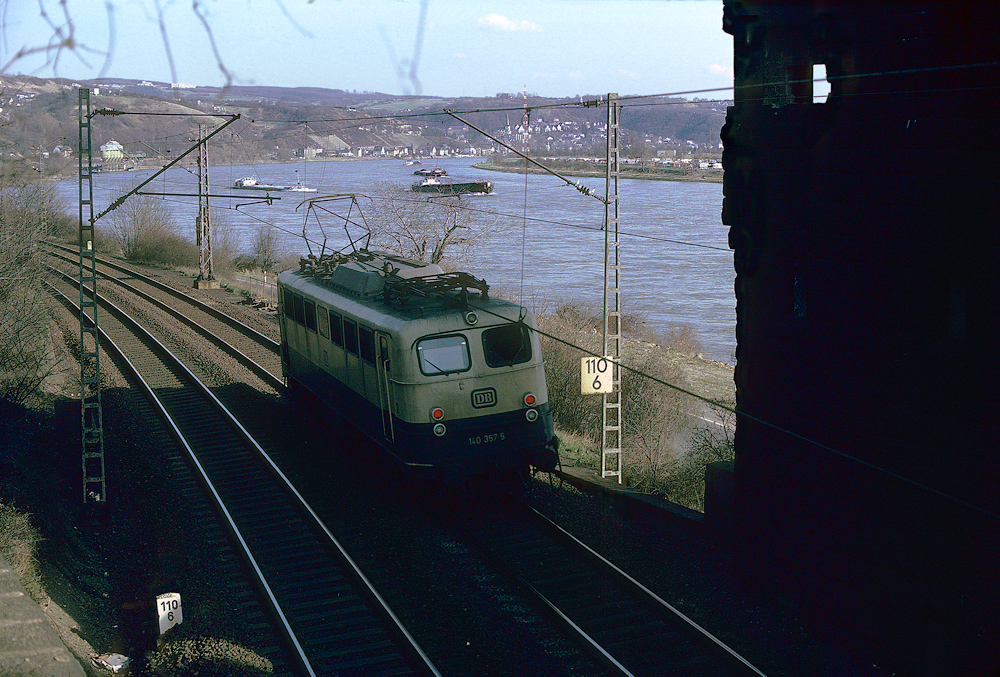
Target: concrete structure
{"type": "Point", "coordinates": [29, 645]}
{"type": "Point", "coordinates": [867, 472]}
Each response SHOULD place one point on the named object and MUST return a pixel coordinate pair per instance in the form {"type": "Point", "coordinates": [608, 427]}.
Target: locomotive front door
{"type": "Point", "coordinates": [383, 367]}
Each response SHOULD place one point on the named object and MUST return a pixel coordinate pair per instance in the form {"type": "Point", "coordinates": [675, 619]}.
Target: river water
{"type": "Point", "coordinates": [677, 270]}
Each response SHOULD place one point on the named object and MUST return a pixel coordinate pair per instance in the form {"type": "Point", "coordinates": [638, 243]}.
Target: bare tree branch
{"type": "Point", "coordinates": [161, 21]}
{"type": "Point", "coordinates": [437, 231]}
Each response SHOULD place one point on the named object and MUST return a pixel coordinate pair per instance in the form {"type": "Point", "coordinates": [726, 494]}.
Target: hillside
{"type": "Point", "coordinates": [278, 123]}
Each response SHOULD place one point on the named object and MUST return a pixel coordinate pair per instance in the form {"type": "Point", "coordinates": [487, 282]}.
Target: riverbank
{"type": "Point", "coordinates": [588, 168]}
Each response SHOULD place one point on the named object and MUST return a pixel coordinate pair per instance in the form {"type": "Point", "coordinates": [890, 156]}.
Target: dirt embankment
{"type": "Point", "coordinates": [86, 584]}
{"type": "Point", "coordinates": [591, 169]}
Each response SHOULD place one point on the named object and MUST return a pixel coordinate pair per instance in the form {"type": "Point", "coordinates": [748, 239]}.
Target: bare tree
{"type": "Point", "coordinates": [654, 416]}
{"type": "Point", "coordinates": [264, 248]}
{"type": "Point", "coordinates": [25, 358]}
{"type": "Point", "coordinates": [140, 219]}
{"type": "Point", "coordinates": [67, 41]}
{"type": "Point", "coordinates": [225, 241]}
{"type": "Point", "coordinates": [708, 443]}
{"type": "Point", "coordinates": [437, 230]}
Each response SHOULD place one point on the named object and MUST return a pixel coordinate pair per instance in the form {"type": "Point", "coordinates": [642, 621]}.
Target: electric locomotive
{"type": "Point", "coordinates": [447, 380]}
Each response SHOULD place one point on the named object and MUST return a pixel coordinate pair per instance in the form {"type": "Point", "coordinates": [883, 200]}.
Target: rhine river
{"type": "Point", "coordinates": [677, 270]}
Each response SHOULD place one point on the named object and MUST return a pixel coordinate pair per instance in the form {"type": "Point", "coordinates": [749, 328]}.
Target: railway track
{"type": "Point", "coordinates": [326, 616]}
{"type": "Point", "coordinates": [623, 628]}
{"type": "Point", "coordinates": [253, 349]}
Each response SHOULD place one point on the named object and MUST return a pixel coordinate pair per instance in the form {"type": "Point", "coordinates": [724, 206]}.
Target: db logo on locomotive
{"type": "Point", "coordinates": [486, 397]}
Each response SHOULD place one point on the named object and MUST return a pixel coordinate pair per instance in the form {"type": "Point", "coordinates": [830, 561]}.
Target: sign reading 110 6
{"type": "Point", "coordinates": [596, 375]}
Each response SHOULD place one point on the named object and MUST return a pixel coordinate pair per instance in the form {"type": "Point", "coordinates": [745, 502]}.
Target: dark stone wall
{"type": "Point", "coordinates": [866, 238]}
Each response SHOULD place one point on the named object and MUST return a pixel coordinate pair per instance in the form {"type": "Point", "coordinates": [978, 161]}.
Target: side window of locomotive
{"type": "Point", "coordinates": [288, 301]}
{"type": "Point", "coordinates": [443, 355]}
{"type": "Point", "coordinates": [323, 322]}
{"type": "Point", "coordinates": [299, 307]}
{"type": "Point", "coordinates": [507, 345]}
{"type": "Point", "coordinates": [336, 331]}
{"type": "Point", "coordinates": [310, 318]}
{"type": "Point", "coordinates": [367, 343]}
{"type": "Point", "coordinates": [351, 336]}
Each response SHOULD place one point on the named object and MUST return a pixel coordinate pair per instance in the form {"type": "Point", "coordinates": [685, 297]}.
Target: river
{"type": "Point", "coordinates": [677, 270]}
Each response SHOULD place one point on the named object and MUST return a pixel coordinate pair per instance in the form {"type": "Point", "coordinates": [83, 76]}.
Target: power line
{"type": "Point", "coordinates": [740, 413]}
{"type": "Point", "coordinates": [564, 224]}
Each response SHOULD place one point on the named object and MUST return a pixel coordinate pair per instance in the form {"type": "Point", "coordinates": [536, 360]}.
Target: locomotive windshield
{"type": "Point", "coordinates": [443, 355]}
{"type": "Point", "coordinates": [507, 345]}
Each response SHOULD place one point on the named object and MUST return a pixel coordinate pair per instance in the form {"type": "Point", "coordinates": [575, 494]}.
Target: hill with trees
{"type": "Point", "coordinates": [39, 116]}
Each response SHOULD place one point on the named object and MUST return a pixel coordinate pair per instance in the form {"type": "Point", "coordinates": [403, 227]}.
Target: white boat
{"type": "Point", "coordinates": [298, 187]}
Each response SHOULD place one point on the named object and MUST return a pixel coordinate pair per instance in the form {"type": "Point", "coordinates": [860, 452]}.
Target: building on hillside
{"type": "Point", "coordinates": [867, 471]}
{"type": "Point", "coordinates": [113, 156]}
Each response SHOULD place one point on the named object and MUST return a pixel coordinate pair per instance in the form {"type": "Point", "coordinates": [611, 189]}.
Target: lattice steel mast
{"type": "Point", "coordinates": [611, 433]}
{"type": "Point", "coordinates": [203, 224]}
{"type": "Point", "coordinates": [94, 483]}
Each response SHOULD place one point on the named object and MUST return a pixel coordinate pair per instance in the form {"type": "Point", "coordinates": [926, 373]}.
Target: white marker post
{"type": "Point", "coordinates": [595, 375]}
{"type": "Point", "coordinates": [168, 608]}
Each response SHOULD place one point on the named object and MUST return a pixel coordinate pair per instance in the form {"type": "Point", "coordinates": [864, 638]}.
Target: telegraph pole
{"type": "Point", "coordinates": [611, 433]}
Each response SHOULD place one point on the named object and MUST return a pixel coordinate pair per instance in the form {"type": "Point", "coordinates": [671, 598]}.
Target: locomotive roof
{"type": "Point", "coordinates": [394, 286]}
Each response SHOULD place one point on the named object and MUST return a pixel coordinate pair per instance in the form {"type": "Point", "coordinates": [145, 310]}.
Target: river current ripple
{"type": "Point", "coordinates": [676, 268]}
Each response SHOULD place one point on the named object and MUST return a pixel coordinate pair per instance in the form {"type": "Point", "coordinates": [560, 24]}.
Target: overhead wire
{"type": "Point", "coordinates": [734, 410]}
{"type": "Point", "coordinates": [597, 229]}
{"type": "Point", "coordinates": [740, 413]}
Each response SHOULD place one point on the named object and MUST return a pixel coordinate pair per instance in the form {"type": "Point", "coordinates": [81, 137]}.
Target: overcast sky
{"type": "Point", "coordinates": [436, 47]}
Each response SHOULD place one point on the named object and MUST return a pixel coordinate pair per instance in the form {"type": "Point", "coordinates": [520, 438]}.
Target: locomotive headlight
{"type": "Point", "coordinates": [439, 429]}
{"type": "Point", "coordinates": [531, 415]}
{"type": "Point", "coordinates": [437, 414]}
{"type": "Point", "coordinates": [529, 400]}
{"type": "Point", "coordinates": [471, 318]}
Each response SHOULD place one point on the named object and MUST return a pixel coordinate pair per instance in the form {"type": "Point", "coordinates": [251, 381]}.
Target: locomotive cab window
{"type": "Point", "coordinates": [310, 314]}
{"type": "Point", "coordinates": [299, 309]}
{"type": "Point", "coordinates": [336, 331]}
{"type": "Point", "coordinates": [507, 345]}
{"type": "Point", "coordinates": [366, 343]}
{"type": "Point", "coordinates": [288, 303]}
{"type": "Point", "coordinates": [323, 322]}
{"type": "Point", "coordinates": [351, 336]}
{"type": "Point", "coordinates": [443, 355]}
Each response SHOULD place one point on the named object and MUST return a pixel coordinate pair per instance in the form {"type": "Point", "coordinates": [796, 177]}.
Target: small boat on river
{"type": "Point", "coordinates": [437, 171]}
{"type": "Point", "coordinates": [433, 185]}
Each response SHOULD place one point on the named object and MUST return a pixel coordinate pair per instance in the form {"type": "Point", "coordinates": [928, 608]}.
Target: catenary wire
{"type": "Point", "coordinates": [707, 400]}
{"type": "Point", "coordinates": [756, 419]}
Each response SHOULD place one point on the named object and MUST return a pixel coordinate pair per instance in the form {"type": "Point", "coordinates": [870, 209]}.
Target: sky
{"type": "Point", "coordinates": [552, 48]}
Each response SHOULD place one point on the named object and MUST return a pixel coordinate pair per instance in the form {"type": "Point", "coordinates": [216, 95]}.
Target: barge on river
{"type": "Point", "coordinates": [434, 185]}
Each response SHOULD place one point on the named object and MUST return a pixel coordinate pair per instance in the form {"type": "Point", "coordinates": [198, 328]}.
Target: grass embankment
{"type": "Point", "coordinates": [19, 546]}
{"type": "Point", "coordinates": [665, 440]}
{"type": "Point", "coordinates": [589, 168]}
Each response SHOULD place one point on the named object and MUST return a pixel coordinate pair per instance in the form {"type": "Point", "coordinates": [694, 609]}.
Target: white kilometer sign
{"type": "Point", "coordinates": [168, 608]}
{"type": "Point", "coordinates": [596, 375]}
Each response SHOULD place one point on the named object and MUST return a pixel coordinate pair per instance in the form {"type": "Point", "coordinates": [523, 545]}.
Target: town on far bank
{"type": "Point", "coordinates": [678, 141]}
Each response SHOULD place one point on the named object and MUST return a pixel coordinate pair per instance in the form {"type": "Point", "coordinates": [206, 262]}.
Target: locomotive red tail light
{"type": "Point", "coordinates": [529, 400]}
{"type": "Point", "coordinates": [437, 413]}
